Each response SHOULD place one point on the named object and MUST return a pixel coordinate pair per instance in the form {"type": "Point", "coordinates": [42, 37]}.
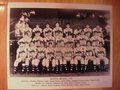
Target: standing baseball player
{"type": "Point", "coordinates": [47, 31]}
{"type": "Point", "coordinates": [57, 30]}
{"type": "Point", "coordinates": [68, 30]}
{"type": "Point", "coordinates": [77, 31]}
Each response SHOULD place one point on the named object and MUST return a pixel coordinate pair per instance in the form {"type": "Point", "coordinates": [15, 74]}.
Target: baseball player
{"type": "Point", "coordinates": [82, 39]}
{"type": "Point", "coordinates": [68, 30]}
{"type": "Point", "coordinates": [41, 56]}
{"type": "Point", "coordinates": [59, 54]}
{"type": "Point", "coordinates": [47, 31]}
{"type": "Point", "coordinates": [26, 40]}
{"type": "Point", "coordinates": [99, 31]}
{"type": "Point", "coordinates": [95, 39]}
{"type": "Point", "coordinates": [28, 30]}
{"type": "Point", "coordinates": [69, 41]}
{"type": "Point", "coordinates": [77, 31]}
{"type": "Point", "coordinates": [89, 46]}
{"type": "Point", "coordinates": [100, 49]}
{"type": "Point", "coordinates": [18, 32]}
{"type": "Point", "coordinates": [57, 31]}
{"type": "Point", "coordinates": [102, 61]}
{"type": "Point", "coordinates": [32, 60]}
{"type": "Point", "coordinates": [37, 30]}
{"type": "Point", "coordinates": [83, 50]}
{"type": "Point", "coordinates": [90, 61]}
{"type": "Point", "coordinates": [68, 56]}
{"type": "Point", "coordinates": [59, 41]}
{"type": "Point", "coordinates": [58, 59]}
{"type": "Point", "coordinates": [20, 56]}
{"type": "Point", "coordinates": [37, 38]}
{"type": "Point", "coordinates": [87, 31]}
{"type": "Point", "coordinates": [49, 40]}
{"type": "Point", "coordinates": [50, 58]}
{"type": "Point", "coordinates": [79, 60]}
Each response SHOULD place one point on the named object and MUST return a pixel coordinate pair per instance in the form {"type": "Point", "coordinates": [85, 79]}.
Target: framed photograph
{"type": "Point", "coordinates": [59, 46]}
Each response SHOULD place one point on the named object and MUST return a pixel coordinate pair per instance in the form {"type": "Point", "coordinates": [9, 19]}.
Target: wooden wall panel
{"type": "Point", "coordinates": [116, 38]}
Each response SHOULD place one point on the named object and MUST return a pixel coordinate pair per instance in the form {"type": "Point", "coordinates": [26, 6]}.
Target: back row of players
{"type": "Point", "coordinates": [58, 50]}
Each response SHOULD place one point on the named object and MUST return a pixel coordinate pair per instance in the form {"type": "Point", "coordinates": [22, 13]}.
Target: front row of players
{"type": "Point", "coordinates": [58, 60]}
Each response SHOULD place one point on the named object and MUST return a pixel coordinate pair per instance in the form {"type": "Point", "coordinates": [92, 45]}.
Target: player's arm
{"type": "Point", "coordinates": [104, 50]}
{"type": "Point", "coordinates": [17, 55]}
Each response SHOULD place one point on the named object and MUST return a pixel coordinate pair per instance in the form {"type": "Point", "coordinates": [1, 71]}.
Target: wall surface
{"type": "Point", "coordinates": [116, 41]}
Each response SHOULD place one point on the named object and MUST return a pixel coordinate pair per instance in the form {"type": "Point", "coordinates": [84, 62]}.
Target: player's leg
{"type": "Point", "coordinates": [16, 63]}
{"type": "Point", "coordinates": [86, 66]}
{"type": "Point", "coordinates": [61, 66]}
{"type": "Point", "coordinates": [53, 65]}
{"type": "Point", "coordinates": [27, 62]}
{"type": "Point", "coordinates": [33, 66]}
{"type": "Point", "coordinates": [44, 66]}
{"type": "Point", "coordinates": [83, 66]}
{"type": "Point", "coordinates": [36, 65]}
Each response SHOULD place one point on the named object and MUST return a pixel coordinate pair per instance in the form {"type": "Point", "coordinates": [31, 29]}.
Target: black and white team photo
{"type": "Point", "coordinates": [59, 42]}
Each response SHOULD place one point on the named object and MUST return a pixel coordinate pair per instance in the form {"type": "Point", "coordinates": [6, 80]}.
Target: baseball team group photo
{"type": "Point", "coordinates": [59, 41]}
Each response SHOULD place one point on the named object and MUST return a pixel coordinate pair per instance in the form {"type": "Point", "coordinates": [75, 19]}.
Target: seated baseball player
{"type": "Point", "coordinates": [90, 61]}
{"type": "Point", "coordinates": [41, 55]}
{"type": "Point", "coordinates": [68, 56]}
{"type": "Point", "coordinates": [20, 56]}
{"type": "Point", "coordinates": [80, 62]}
{"type": "Point", "coordinates": [50, 64]}
{"type": "Point", "coordinates": [58, 60]}
{"type": "Point", "coordinates": [102, 61]}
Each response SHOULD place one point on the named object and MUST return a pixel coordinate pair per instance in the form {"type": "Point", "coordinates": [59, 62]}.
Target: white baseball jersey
{"type": "Point", "coordinates": [68, 54]}
{"type": "Point", "coordinates": [58, 55]}
{"type": "Point", "coordinates": [96, 40]}
{"type": "Point", "coordinates": [78, 55]}
{"type": "Point", "coordinates": [21, 52]}
{"type": "Point", "coordinates": [50, 53]}
{"type": "Point", "coordinates": [77, 31]}
{"type": "Point", "coordinates": [46, 30]}
{"type": "Point", "coordinates": [21, 56]}
{"type": "Point", "coordinates": [68, 30]}
{"type": "Point", "coordinates": [26, 41]}
{"type": "Point", "coordinates": [82, 39]}
{"type": "Point", "coordinates": [41, 52]}
{"type": "Point", "coordinates": [87, 30]}
{"type": "Point", "coordinates": [49, 40]}
{"type": "Point", "coordinates": [97, 29]}
{"type": "Point", "coordinates": [101, 50]}
{"type": "Point", "coordinates": [69, 41]}
{"type": "Point", "coordinates": [32, 52]}
{"type": "Point", "coordinates": [57, 29]}
{"type": "Point", "coordinates": [37, 29]}
{"type": "Point", "coordinates": [59, 41]}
